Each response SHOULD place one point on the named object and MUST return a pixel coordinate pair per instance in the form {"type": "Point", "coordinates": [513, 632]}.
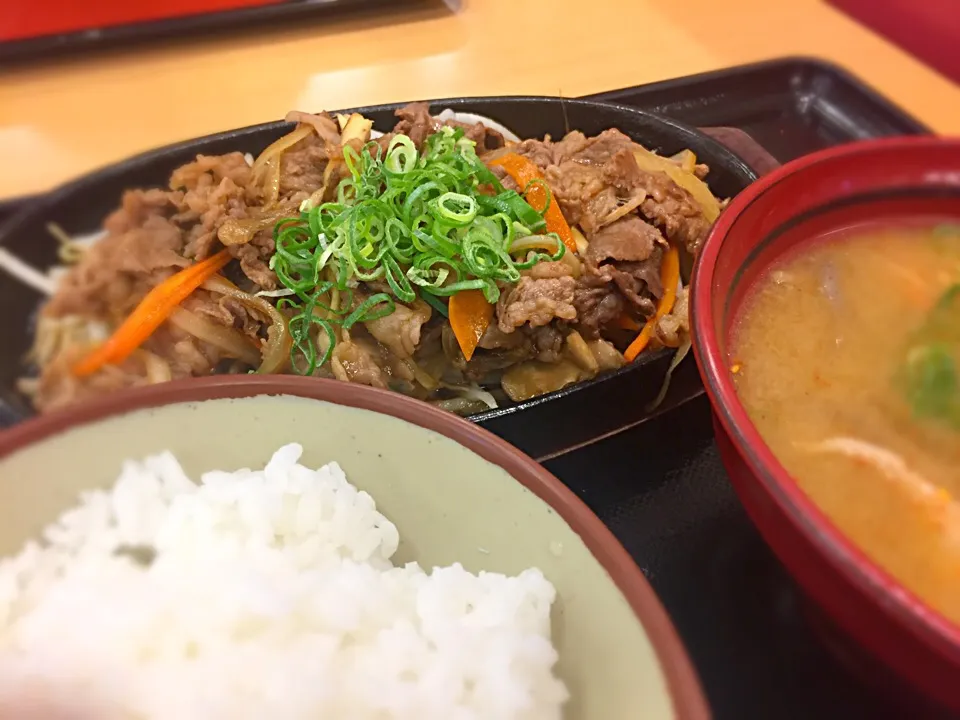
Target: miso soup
{"type": "Point", "coordinates": [846, 356]}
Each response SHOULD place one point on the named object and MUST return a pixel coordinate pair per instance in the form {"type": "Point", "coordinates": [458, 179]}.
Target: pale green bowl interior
{"type": "Point", "coordinates": [450, 505]}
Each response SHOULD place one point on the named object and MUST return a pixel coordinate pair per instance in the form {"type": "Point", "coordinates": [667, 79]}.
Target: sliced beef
{"type": "Point", "coordinates": [629, 239]}
{"type": "Point", "coordinates": [540, 152]}
{"type": "Point", "coordinates": [574, 185]}
{"type": "Point", "coordinates": [502, 350]}
{"type": "Point", "coordinates": [225, 310]}
{"type": "Point", "coordinates": [400, 330]}
{"type": "Point", "coordinates": [255, 260]}
{"type": "Point", "coordinates": [598, 182]}
{"type": "Point", "coordinates": [638, 281]}
{"type": "Point", "coordinates": [301, 169]}
{"type": "Point", "coordinates": [214, 188]}
{"type": "Point", "coordinates": [494, 338]}
{"type": "Point", "coordinates": [598, 303]}
{"type": "Point", "coordinates": [59, 387]}
{"type": "Point", "coordinates": [622, 261]}
{"type": "Point", "coordinates": [415, 122]}
{"type": "Point", "coordinates": [546, 152]}
{"type": "Point", "coordinates": [120, 269]}
{"type": "Point", "coordinates": [353, 362]}
{"type": "Point", "coordinates": [568, 266]}
{"type": "Point", "coordinates": [536, 302]}
{"type": "Point", "coordinates": [209, 170]}
{"type": "Point", "coordinates": [486, 138]}
{"type": "Point", "coordinates": [136, 206]}
{"type": "Point", "coordinates": [597, 150]}
{"type": "Point", "coordinates": [628, 253]}
{"type": "Point", "coordinates": [674, 211]}
{"type": "Point", "coordinates": [547, 343]}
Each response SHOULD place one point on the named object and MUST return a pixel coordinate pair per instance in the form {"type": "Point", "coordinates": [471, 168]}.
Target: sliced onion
{"type": "Point", "coordinates": [473, 392]}
{"type": "Point", "coordinates": [158, 369]}
{"type": "Point", "coordinates": [580, 240]}
{"type": "Point", "coordinates": [280, 144]}
{"type": "Point", "coordinates": [462, 406]}
{"type": "Point", "coordinates": [626, 208]}
{"type": "Point", "coordinates": [235, 231]}
{"type": "Point", "coordinates": [325, 127]}
{"type": "Point", "coordinates": [267, 166]}
{"type": "Point", "coordinates": [471, 118]}
{"type": "Point", "coordinates": [581, 353]}
{"type": "Point", "coordinates": [230, 341]}
{"type": "Point", "coordinates": [533, 242]}
{"type": "Point", "coordinates": [27, 274]}
{"type": "Point", "coordinates": [282, 292]}
{"type": "Point", "coordinates": [677, 359]}
{"type": "Point", "coordinates": [276, 353]}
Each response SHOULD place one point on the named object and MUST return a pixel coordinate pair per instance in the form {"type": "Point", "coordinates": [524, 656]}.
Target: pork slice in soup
{"type": "Point", "coordinates": [847, 359]}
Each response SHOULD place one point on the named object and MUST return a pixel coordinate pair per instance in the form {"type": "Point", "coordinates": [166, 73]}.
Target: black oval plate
{"type": "Point", "coordinates": [542, 427]}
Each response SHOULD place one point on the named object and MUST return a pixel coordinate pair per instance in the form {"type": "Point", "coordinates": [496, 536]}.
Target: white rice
{"type": "Point", "coordinates": [271, 595]}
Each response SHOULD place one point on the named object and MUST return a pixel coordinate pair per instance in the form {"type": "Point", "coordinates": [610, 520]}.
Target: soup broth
{"type": "Point", "coordinates": [846, 356]}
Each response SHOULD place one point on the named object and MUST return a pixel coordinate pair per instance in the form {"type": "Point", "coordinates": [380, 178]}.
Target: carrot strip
{"type": "Point", "coordinates": [669, 277]}
{"type": "Point", "coordinates": [470, 315]}
{"type": "Point", "coordinates": [525, 171]}
{"type": "Point", "coordinates": [152, 311]}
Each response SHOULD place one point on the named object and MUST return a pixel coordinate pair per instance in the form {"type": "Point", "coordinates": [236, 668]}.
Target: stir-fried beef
{"type": "Point", "coordinates": [547, 343]}
{"type": "Point", "coordinates": [639, 282]}
{"type": "Point", "coordinates": [400, 330]}
{"type": "Point", "coordinates": [598, 182]}
{"type": "Point", "coordinates": [417, 123]}
{"type": "Point", "coordinates": [225, 310]}
{"type": "Point", "coordinates": [536, 302]}
{"type": "Point", "coordinates": [353, 362]}
{"type": "Point", "coordinates": [597, 303]}
{"type": "Point", "coordinates": [629, 239]}
{"type": "Point", "coordinates": [674, 211]}
{"type": "Point", "coordinates": [214, 188]}
{"type": "Point", "coordinates": [626, 214]}
{"type": "Point", "coordinates": [302, 168]}
{"type": "Point", "coordinates": [626, 253]}
{"type": "Point", "coordinates": [486, 138]}
{"type": "Point", "coordinates": [117, 271]}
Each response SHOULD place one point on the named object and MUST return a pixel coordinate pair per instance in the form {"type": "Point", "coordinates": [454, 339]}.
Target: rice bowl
{"type": "Point", "coordinates": [259, 592]}
{"type": "Point", "coordinates": [456, 495]}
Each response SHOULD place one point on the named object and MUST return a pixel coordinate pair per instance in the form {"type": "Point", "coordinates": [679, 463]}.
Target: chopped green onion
{"type": "Point", "coordinates": [414, 221]}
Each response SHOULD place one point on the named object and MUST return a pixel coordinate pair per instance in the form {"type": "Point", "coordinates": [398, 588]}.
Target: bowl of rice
{"type": "Point", "coordinates": [298, 548]}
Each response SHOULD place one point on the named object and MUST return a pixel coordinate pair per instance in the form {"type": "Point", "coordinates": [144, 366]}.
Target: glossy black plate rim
{"type": "Point", "coordinates": [684, 135]}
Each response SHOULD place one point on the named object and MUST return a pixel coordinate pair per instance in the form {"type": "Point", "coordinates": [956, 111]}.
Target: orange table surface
{"type": "Point", "coordinates": [66, 116]}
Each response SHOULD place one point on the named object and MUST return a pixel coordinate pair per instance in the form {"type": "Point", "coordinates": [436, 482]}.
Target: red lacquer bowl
{"type": "Point", "coordinates": [872, 181]}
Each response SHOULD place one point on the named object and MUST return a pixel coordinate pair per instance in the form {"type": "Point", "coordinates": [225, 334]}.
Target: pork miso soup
{"type": "Point", "coordinates": [846, 356]}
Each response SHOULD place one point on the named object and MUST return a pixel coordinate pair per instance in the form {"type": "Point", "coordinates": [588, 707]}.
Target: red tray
{"type": "Point", "coordinates": [31, 30]}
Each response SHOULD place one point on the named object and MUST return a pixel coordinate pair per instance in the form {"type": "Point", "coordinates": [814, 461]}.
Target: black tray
{"type": "Point", "coordinates": [790, 107]}
{"type": "Point", "coordinates": [660, 485]}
